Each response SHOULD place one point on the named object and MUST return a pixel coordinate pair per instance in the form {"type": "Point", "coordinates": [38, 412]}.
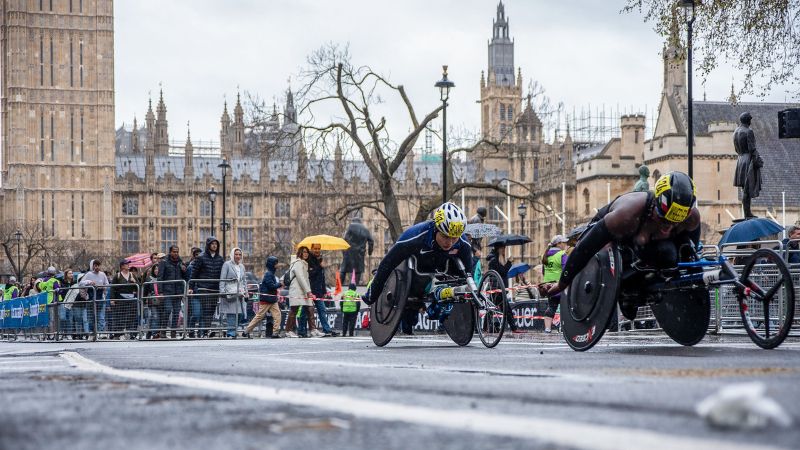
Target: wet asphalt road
{"type": "Point", "coordinates": [420, 392]}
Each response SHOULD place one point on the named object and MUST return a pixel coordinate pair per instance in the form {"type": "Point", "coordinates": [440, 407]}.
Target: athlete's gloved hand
{"type": "Point", "coordinates": [556, 288]}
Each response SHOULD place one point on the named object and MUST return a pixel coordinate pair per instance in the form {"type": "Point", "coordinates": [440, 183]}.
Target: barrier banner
{"type": "Point", "coordinates": [26, 312]}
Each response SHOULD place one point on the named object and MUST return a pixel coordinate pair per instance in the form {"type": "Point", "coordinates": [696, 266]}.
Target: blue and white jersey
{"type": "Point", "coordinates": [419, 240]}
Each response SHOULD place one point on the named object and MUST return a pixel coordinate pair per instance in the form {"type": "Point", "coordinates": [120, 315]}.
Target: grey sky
{"type": "Point", "coordinates": [581, 51]}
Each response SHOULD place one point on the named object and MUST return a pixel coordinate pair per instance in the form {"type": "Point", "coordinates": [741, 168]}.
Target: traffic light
{"type": "Point", "coordinates": [789, 123]}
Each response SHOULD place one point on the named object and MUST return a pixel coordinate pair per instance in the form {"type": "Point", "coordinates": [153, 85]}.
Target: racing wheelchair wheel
{"type": "Point", "coordinates": [766, 303]}
{"type": "Point", "coordinates": [490, 317]}
{"type": "Point", "coordinates": [388, 309]}
{"type": "Point", "coordinates": [590, 300]}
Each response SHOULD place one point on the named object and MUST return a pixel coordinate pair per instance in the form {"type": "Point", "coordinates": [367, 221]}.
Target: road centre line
{"type": "Point", "coordinates": [560, 432]}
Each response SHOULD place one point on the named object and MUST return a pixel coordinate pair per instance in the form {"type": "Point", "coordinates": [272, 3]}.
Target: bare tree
{"type": "Point", "coordinates": [28, 249]}
{"type": "Point", "coordinates": [761, 39]}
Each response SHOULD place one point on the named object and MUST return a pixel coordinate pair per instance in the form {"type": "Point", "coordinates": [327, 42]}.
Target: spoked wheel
{"type": "Point", "coordinates": [767, 302]}
{"type": "Point", "coordinates": [491, 316]}
{"type": "Point", "coordinates": [387, 311]}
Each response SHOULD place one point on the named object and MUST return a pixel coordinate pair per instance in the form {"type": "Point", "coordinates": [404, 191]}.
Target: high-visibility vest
{"type": "Point", "coordinates": [350, 303]}
{"type": "Point", "coordinates": [8, 294]}
{"type": "Point", "coordinates": [552, 269]}
{"type": "Point", "coordinates": [49, 287]}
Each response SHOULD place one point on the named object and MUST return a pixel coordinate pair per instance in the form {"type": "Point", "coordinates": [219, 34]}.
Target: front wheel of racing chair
{"type": "Point", "coordinates": [387, 311]}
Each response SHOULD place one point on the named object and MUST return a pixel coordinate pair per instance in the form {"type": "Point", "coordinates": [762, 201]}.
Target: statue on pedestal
{"type": "Point", "coordinates": [361, 242]}
{"type": "Point", "coordinates": [749, 164]}
{"type": "Point", "coordinates": [642, 185]}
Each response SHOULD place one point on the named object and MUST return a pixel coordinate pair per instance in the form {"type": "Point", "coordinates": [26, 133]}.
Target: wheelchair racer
{"type": "Point", "coordinates": [655, 226]}
{"type": "Point", "coordinates": [434, 243]}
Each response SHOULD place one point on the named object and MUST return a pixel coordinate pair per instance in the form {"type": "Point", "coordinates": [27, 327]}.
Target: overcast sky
{"type": "Point", "coordinates": [581, 51]}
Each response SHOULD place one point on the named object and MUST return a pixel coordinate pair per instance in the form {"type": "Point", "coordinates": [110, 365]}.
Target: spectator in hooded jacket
{"type": "Point", "coordinates": [171, 272]}
{"type": "Point", "coordinates": [233, 286]}
{"type": "Point", "coordinates": [268, 301]}
{"type": "Point", "coordinates": [207, 266]}
{"type": "Point", "coordinates": [316, 276]}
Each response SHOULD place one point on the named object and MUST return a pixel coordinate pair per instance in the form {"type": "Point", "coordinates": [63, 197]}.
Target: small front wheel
{"type": "Point", "coordinates": [491, 309]}
{"type": "Point", "coordinates": [766, 302]}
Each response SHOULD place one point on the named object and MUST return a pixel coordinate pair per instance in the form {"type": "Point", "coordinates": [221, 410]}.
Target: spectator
{"type": "Point", "coordinates": [155, 304]}
{"type": "Point", "coordinates": [171, 271]}
{"type": "Point", "coordinates": [194, 306]}
{"type": "Point", "coordinates": [268, 301]}
{"type": "Point", "coordinates": [12, 290]}
{"type": "Point", "coordinates": [207, 266]}
{"type": "Point", "coordinates": [476, 263]}
{"type": "Point", "coordinates": [30, 288]}
{"type": "Point", "coordinates": [233, 286]}
{"type": "Point", "coordinates": [480, 217]}
{"type": "Point", "coordinates": [98, 280]}
{"type": "Point", "coordinates": [498, 262]}
{"type": "Point", "coordinates": [350, 307]}
{"type": "Point", "coordinates": [299, 292]}
{"type": "Point", "coordinates": [124, 302]}
{"type": "Point", "coordinates": [49, 284]}
{"type": "Point", "coordinates": [553, 262]}
{"type": "Point", "coordinates": [316, 277]}
{"type": "Point", "coordinates": [73, 310]}
{"type": "Point", "coordinates": [792, 244]}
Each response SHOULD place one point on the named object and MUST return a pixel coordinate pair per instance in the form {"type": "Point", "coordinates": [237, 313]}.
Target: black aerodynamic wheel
{"type": "Point", "coordinates": [591, 299]}
{"type": "Point", "coordinates": [766, 303]}
{"type": "Point", "coordinates": [460, 324]}
{"type": "Point", "coordinates": [386, 312]}
{"type": "Point", "coordinates": [490, 318]}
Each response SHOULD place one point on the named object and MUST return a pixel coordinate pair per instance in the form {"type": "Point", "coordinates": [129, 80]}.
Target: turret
{"type": "Point", "coordinates": [188, 156]}
{"type": "Point", "coordinates": [632, 136]}
{"type": "Point", "coordinates": [224, 133]}
{"type": "Point", "coordinates": [238, 127]}
{"type": "Point", "coordinates": [162, 133]}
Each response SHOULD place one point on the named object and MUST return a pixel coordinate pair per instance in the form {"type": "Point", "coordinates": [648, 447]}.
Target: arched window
{"type": "Point", "coordinates": [502, 111]}
{"type": "Point", "coordinates": [656, 174]}
{"type": "Point", "coordinates": [586, 205]}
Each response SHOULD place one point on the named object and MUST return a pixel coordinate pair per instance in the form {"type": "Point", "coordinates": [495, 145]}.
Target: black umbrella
{"type": "Point", "coordinates": [509, 239]}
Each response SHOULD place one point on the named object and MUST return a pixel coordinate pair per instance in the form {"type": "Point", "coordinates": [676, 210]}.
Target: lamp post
{"type": "Point", "coordinates": [224, 166]}
{"type": "Point", "coordinates": [212, 198]}
{"type": "Point", "coordinates": [688, 8]}
{"type": "Point", "coordinates": [523, 211]}
{"type": "Point", "coordinates": [18, 238]}
{"type": "Point", "coordinates": [444, 86]}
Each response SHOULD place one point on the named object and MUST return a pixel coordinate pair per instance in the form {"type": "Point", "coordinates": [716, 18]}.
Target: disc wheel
{"type": "Point", "coordinates": [387, 311]}
{"type": "Point", "coordinates": [591, 299]}
{"type": "Point", "coordinates": [767, 302]}
{"type": "Point", "coordinates": [460, 324]}
{"type": "Point", "coordinates": [490, 318]}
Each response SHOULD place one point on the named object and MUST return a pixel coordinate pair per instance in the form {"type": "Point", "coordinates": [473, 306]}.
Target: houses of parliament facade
{"type": "Point", "coordinates": [66, 168]}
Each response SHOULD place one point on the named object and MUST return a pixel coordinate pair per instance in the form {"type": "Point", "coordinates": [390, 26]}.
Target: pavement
{"type": "Point", "coordinates": [631, 391]}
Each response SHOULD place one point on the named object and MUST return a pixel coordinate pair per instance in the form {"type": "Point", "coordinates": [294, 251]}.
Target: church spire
{"type": "Point", "coordinates": [501, 50]}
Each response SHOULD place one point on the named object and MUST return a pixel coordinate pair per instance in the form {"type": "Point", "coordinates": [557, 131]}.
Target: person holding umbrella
{"type": "Point", "coordinates": [499, 263]}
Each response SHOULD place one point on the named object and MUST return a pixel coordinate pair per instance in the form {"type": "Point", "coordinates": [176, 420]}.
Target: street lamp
{"type": "Point", "coordinates": [688, 8]}
{"type": "Point", "coordinates": [18, 238]}
{"type": "Point", "coordinates": [523, 211]}
{"type": "Point", "coordinates": [224, 166]}
{"type": "Point", "coordinates": [212, 198]}
{"type": "Point", "coordinates": [444, 86]}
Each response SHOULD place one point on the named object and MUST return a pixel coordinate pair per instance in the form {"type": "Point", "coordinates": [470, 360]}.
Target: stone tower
{"type": "Point", "coordinates": [58, 117]}
{"type": "Point", "coordinates": [501, 92]}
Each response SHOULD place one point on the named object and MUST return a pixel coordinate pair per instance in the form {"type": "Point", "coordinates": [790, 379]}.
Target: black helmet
{"type": "Point", "coordinates": [675, 196]}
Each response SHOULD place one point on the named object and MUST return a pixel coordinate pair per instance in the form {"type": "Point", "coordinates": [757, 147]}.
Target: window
{"type": "Point", "coordinates": [586, 204]}
{"type": "Point", "coordinates": [80, 61]}
{"type": "Point", "coordinates": [717, 166]}
{"type": "Point", "coordinates": [72, 135]}
{"type": "Point", "coordinates": [83, 216]}
{"type": "Point", "coordinates": [169, 237]}
{"type": "Point", "coordinates": [72, 216]}
{"type": "Point", "coordinates": [718, 194]}
{"type": "Point", "coordinates": [636, 137]}
{"type": "Point", "coordinates": [245, 208]}
{"type": "Point", "coordinates": [130, 206]}
{"type": "Point", "coordinates": [510, 113]}
{"type": "Point", "coordinates": [130, 240]}
{"type": "Point", "coordinates": [205, 233]}
{"type": "Point", "coordinates": [81, 136]}
{"type": "Point", "coordinates": [494, 215]}
{"type": "Point", "coordinates": [205, 208]}
{"type": "Point", "coordinates": [656, 174]}
{"type": "Point", "coordinates": [522, 173]}
{"type": "Point", "coordinates": [283, 242]}
{"type": "Point", "coordinates": [282, 208]}
{"type": "Point", "coordinates": [245, 240]}
{"type": "Point", "coordinates": [52, 214]}
{"type": "Point", "coordinates": [42, 204]}
{"type": "Point", "coordinates": [52, 70]}
{"type": "Point", "coordinates": [502, 111]}
{"type": "Point", "coordinates": [41, 60]}
{"type": "Point", "coordinates": [71, 60]}
{"type": "Point", "coordinates": [169, 206]}
{"type": "Point", "coordinates": [41, 136]}
{"type": "Point", "coordinates": [535, 169]}
{"type": "Point", "coordinates": [52, 136]}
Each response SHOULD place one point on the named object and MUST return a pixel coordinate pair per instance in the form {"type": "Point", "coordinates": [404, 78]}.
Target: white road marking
{"type": "Point", "coordinates": [560, 432]}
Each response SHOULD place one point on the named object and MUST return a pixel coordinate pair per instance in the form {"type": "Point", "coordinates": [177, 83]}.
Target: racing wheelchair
{"type": "Point", "coordinates": [679, 297]}
{"type": "Point", "coordinates": [470, 305]}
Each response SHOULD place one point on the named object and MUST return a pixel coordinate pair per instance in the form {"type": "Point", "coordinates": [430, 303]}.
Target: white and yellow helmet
{"type": "Point", "coordinates": [450, 220]}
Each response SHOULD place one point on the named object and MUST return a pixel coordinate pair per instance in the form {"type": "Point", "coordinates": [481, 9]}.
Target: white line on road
{"type": "Point", "coordinates": [563, 433]}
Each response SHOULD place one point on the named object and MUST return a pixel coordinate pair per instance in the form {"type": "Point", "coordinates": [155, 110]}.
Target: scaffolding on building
{"type": "Point", "coordinates": [598, 123]}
